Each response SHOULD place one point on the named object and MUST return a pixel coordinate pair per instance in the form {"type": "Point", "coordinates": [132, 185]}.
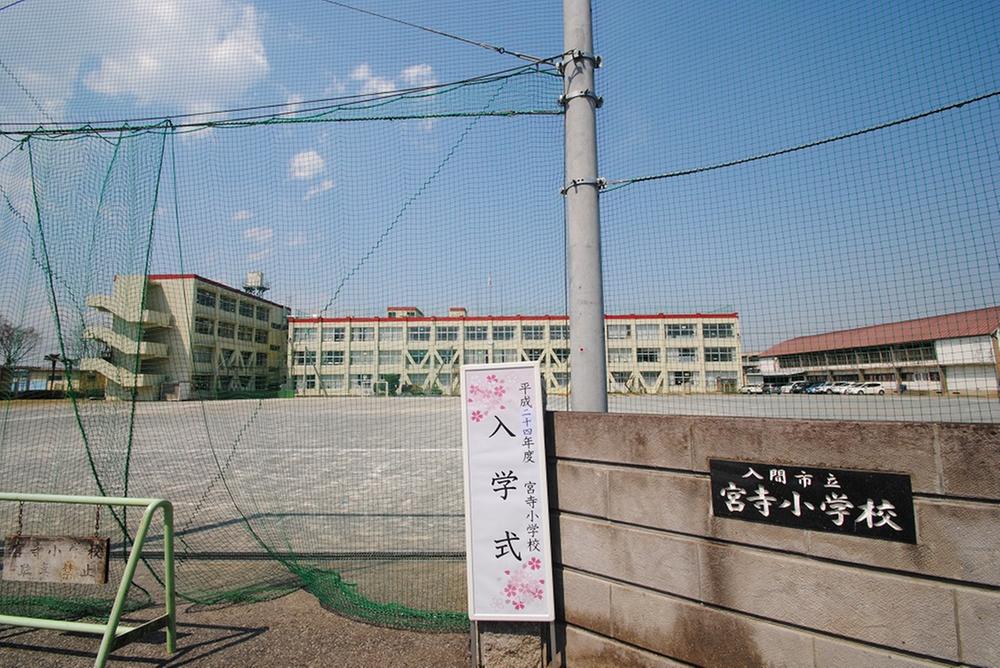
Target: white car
{"type": "Point", "coordinates": [752, 389]}
{"type": "Point", "coordinates": [866, 388]}
{"type": "Point", "coordinates": [840, 387]}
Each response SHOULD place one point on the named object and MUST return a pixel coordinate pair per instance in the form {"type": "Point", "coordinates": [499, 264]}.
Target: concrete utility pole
{"type": "Point", "coordinates": [583, 219]}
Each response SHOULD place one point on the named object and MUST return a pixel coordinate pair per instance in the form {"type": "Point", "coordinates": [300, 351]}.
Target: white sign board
{"type": "Point", "coordinates": [508, 551]}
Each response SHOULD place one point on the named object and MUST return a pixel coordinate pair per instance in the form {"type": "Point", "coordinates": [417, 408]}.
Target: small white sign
{"type": "Point", "coordinates": [508, 551]}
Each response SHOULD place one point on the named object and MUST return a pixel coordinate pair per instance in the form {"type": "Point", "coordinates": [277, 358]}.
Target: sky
{"type": "Point", "coordinates": [347, 218]}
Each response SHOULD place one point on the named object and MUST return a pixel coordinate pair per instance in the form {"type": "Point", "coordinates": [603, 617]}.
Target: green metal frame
{"type": "Point", "coordinates": [113, 635]}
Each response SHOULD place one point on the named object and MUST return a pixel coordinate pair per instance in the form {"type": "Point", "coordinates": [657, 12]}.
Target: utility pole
{"type": "Point", "coordinates": [589, 379]}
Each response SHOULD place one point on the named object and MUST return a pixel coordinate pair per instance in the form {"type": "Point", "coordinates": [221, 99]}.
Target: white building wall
{"type": "Point", "coordinates": [969, 350]}
{"type": "Point", "coordinates": [972, 379]}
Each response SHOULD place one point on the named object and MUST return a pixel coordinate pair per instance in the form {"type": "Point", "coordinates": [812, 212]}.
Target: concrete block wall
{"type": "Point", "coordinates": [650, 578]}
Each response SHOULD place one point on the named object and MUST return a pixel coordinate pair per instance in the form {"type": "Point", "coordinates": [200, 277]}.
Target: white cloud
{"type": "Point", "coordinates": [191, 54]}
{"type": "Point", "coordinates": [256, 256]}
{"type": "Point", "coordinates": [369, 84]}
{"type": "Point", "coordinates": [258, 234]}
{"type": "Point", "coordinates": [417, 76]}
{"type": "Point", "coordinates": [306, 165]}
{"type": "Point", "coordinates": [296, 239]}
{"type": "Point", "coordinates": [241, 215]}
{"type": "Point", "coordinates": [318, 189]}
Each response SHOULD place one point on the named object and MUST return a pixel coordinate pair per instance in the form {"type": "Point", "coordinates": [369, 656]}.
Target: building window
{"type": "Point", "coordinates": [390, 333]}
{"type": "Point", "coordinates": [418, 379]}
{"type": "Point", "coordinates": [227, 330]}
{"type": "Point", "coordinates": [304, 357]}
{"type": "Point", "coordinates": [334, 357]}
{"type": "Point", "coordinates": [260, 336]}
{"type": "Point", "coordinates": [650, 379]}
{"type": "Point", "coordinates": [682, 331]}
{"type": "Point", "coordinates": [201, 355]}
{"type": "Point", "coordinates": [444, 381]}
{"type": "Point", "coordinates": [227, 303]}
{"type": "Point", "coordinates": [682, 355]}
{"type": "Point", "coordinates": [647, 332]}
{"type": "Point", "coordinates": [362, 333]}
{"type": "Point", "coordinates": [533, 354]}
{"type": "Point", "coordinates": [244, 333]}
{"type": "Point", "coordinates": [419, 333]}
{"type": "Point", "coordinates": [390, 357]}
{"type": "Point", "coordinates": [619, 355]}
{"type": "Point", "coordinates": [647, 354]}
{"type": "Point", "coordinates": [246, 308]}
{"type": "Point", "coordinates": [204, 326]}
{"type": "Point", "coordinates": [559, 333]}
{"type": "Point", "coordinates": [561, 354]}
{"type": "Point", "coordinates": [480, 356]}
{"type": "Point", "coordinates": [246, 357]}
{"type": "Point", "coordinates": [446, 333]}
{"type": "Point", "coordinates": [418, 356]}
{"type": "Point", "coordinates": [332, 382]}
{"type": "Point", "coordinates": [561, 379]}
{"type": "Point", "coordinates": [263, 313]}
{"type": "Point", "coordinates": [619, 331]}
{"type": "Point", "coordinates": [362, 357]}
{"type": "Point", "coordinates": [682, 377]}
{"type": "Point", "coordinates": [621, 377]}
{"type": "Point", "coordinates": [476, 333]}
{"type": "Point", "coordinates": [717, 330]}
{"type": "Point", "coordinates": [201, 383]}
{"type": "Point", "coordinates": [261, 359]}
{"type": "Point", "coordinates": [361, 381]}
{"type": "Point", "coordinates": [504, 355]}
{"type": "Point", "coordinates": [304, 335]}
{"type": "Point", "coordinates": [504, 332]}
{"type": "Point", "coordinates": [333, 334]}
{"type": "Point", "coordinates": [533, 332]}
{"type": "Point", "coordinates": [446, 355]}
{"type": "Point", "coordinates": [719, 354]}
{"type": "Point", "coordinates": [205, 298]}
{"type": "Point", "coordinates": [227, 358]}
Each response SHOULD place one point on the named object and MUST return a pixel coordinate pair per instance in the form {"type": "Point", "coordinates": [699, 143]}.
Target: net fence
{"type": "Point", "coordinates": [259, 311]}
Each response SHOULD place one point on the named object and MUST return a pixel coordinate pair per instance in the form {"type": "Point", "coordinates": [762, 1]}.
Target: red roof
{"type": "Point", "coordinates": [981, 322]}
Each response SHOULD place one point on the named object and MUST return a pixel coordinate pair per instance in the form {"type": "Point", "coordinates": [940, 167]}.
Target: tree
{"type": "Point", "coordinates": [16, 343]}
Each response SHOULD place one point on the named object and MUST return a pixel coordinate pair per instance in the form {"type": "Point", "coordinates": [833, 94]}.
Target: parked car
{"type": "Point", "coordinates": [840, 387]}
{"type": "Point", "coordinates": [795, 387]}
{"type": "Point", "coordinates": [771, 388]}
{"type": "Point", "coordinates": [867, 388]}
{"type": "Point", "coordinates": [752, 389]}
{"type": "Point", "coordinates": [817, 388]}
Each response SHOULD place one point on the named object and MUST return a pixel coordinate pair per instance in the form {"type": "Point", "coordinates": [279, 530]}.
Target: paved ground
{"type": "Point", "coordinates": [367, 487]}
{"type": "Point", "coordinates": [290, 631]}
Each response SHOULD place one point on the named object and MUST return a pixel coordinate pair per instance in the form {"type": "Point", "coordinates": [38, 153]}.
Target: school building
{"type": "Point", "coordinates": [181, 336]}
{"type": "Point", "coordinates": [409, 352]}
{"type": "Point", "coordinates": [956, 353]}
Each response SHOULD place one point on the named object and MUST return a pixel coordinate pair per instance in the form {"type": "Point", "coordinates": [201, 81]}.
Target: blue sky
{"type": "Point", "coordinates": [892, 225]}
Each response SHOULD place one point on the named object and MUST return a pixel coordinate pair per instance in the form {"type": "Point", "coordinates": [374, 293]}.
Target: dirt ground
{"type": "Point", "coordinates": [290, 631]}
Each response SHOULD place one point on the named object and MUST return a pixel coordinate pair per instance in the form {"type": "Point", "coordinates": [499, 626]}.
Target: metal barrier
{"type": "Point", "coordinates": [113, 635]}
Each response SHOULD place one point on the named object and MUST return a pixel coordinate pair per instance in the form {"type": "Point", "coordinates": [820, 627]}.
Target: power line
{"type": "Point", "coordinates": [615, 184]}
{"type": "Point", "coordinates": [9, 5]}
{"type": "Point", "coordinates": [483, 45]}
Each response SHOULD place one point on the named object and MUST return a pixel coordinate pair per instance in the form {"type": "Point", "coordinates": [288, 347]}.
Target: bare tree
{"type": "Point", "coordinates": [16, 343]}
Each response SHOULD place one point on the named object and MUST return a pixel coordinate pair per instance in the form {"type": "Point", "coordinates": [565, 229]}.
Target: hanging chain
{"type": "Point", "coordinates": [20, 518]}
{"type": "Point", "coordinates": [97, 521]}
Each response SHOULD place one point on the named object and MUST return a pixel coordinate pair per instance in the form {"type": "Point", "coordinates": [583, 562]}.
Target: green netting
{"type": "Point", "coordinates": [773, 172]}
{"type": "Point", "coordinates": [374, 191]}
